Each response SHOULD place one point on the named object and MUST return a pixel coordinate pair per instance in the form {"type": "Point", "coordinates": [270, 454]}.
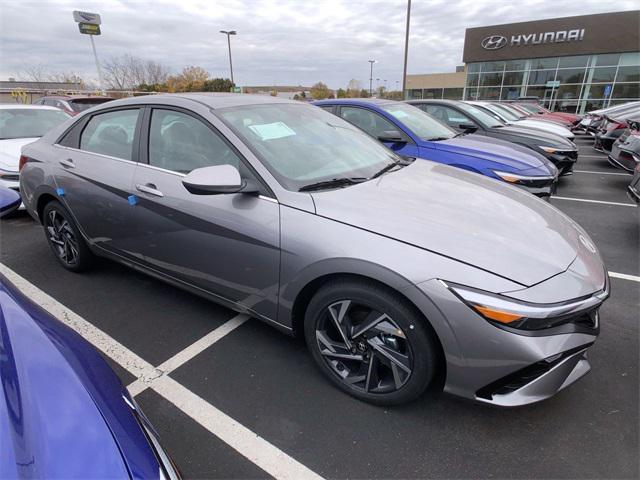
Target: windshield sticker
{"type": "Point", "coordinates": [270, 131]}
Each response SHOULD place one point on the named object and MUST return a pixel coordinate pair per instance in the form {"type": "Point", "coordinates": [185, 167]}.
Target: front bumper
{"type": "Point", "coordinates": [563, 160]}
{"type": "Point", "coordinates": [505, 366]}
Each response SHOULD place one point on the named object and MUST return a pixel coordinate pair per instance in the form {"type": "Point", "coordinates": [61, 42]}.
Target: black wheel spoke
{"type": "Point", "coordinates": [395, 357]}
{"type": "Point", "coordinates": [338, 312]}
{"type": "Point", "coordinates": [333, 349]}
{"type": "Point", "coordinates": [372, 319]}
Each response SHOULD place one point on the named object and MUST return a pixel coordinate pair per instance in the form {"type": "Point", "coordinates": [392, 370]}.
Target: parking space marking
{"type": "Point", "coordinates": [183, 356]}
{"type": "Point", "coordinates": [256, 449]}
{"type": "Point", "coordinates": [603, 173]}
{"type": "Point", "coordinates": [625, 276]}
{"type": "Point", "coordinates": [249, 444]}
{"type": "Point", "coordinates": [595, 201]}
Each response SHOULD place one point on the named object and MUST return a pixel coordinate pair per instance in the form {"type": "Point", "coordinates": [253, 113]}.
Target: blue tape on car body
{"type": "Point", "coordinates": [133, 200]}
{"type": "Point", "coordinates": [60, 191]}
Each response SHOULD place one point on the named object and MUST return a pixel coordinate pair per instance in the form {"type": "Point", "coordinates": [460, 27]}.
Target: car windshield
{"type": "Point", "coordinates": [422, 124]}
{"type": "Point", "coordinates": [302, 145]}
{"type": "Point", "coordinates": [505, 112]}
{"type": "Point", "coordinates": [484, 117]}
{"type": "Point", "coordinates": [28, 122]}
{"type": "Point", "coordinates": [83, 104]}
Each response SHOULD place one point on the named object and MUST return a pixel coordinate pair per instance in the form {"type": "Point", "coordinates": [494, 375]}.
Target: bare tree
{"type": "Point", "coordinates": [116, 73]}
{"type": "Point", "coordinates": [127, 72]}
{"type": "Point", "coordinates": [155, 73]}
{"type": "Point", "coordinates": [33, 73]}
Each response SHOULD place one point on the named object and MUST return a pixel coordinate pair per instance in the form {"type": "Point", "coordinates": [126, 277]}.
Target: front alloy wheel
{"type": "Point", "coordinates": [364, 347]}
{"type": "Point", "coordinates": [370, 342]}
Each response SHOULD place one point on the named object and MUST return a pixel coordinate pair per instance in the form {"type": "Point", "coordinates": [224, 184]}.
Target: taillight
{"type": "Point", "coordinates": [23, 160]}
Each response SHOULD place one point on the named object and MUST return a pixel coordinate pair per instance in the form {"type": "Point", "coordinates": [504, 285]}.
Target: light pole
{"type": "Point", "coordinates": [371, 76]}
{"type": "Point", "coordinates": [228, 34]}
{"type": "Point", "coordinates": [406, 49]}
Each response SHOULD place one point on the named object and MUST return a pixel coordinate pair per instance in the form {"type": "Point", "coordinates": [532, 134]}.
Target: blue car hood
{"type": "Point", "coordinates": [517, 157]}
{"type": "Point", "coordinates": [62, 414]}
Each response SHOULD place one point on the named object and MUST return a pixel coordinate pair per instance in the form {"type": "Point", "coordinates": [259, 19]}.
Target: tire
{"type": "Point", "coordinates": [396, 330]}
{"type": "Point", "coordinates": [64, 238]}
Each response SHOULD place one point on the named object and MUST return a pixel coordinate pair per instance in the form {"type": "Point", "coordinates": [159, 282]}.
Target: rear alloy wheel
{"type": "Point", "coordinates": [369, 343]}
{"type": "Point", "coordinates": [64, 238]}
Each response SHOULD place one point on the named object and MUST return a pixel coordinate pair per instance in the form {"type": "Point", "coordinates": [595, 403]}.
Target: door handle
{"type": "Point", "coordinates": [68, 163]}
{"type": "Point", "coordinates": [149, 188]}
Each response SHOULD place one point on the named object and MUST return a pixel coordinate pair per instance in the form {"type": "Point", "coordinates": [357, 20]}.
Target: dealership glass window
{"type": "Point", "coordinates": [571, 62]}
{"type": "Point", "coordinates": [490, 79]}
{"type": "Point", "coordinates": [489, 93]}
{"type": "Point", "coordinates": [626, 90]}
{"type": "Point", "coordinates": [453, 93]}
{"type": "Point", "coordinates": [565, 92]}
{"type": "Point", "coordinates": [513, 78]}
{"type": "Point", "coordinates": [607, 59]}
{"type": "Point", "coordinates": [606, 74]}
{"type": "Point", "coordinates": [628, 74]}
{"type": "Point", "coordinates": [630, 58]}
{"type": "Point", "coordinates": [543, 63]}
{"type": "Point", "coordinates": [571, 75]}
{"type": "Point", "coordinates": [510, 93]}
{"type": "Point", "coordinates": [471, 94]}
{"type": "Point", "coordinates": [415, 93]}
{"type": "Point", "coordinates": [472, 79]}
{"type": "Point", "coordinates": [541, 77]}
{"type": "Point", "coordinates": [595, 90]}
{"type": "Point", "coordinates": [536, 92]}
{"type": "Point", "coordinates": [493, 67]}
{"type": "Point", "coordinates": [515, 65]}
{"type": "Point", "coordinates": [432, 93]}
{"type": "Point", "coordinates": [473, 67]}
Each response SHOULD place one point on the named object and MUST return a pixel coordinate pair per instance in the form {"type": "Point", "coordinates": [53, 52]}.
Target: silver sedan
{"type": "Point", "coordinates": [398, 273]}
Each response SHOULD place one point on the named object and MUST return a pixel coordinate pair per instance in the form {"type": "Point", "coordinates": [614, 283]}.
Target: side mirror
{"type": "Point", "coordinates": [468, 127]}
{"type": "Point", "coordinates": [214, 180]}
{"type": "Point", "coordinates": [393, 136]}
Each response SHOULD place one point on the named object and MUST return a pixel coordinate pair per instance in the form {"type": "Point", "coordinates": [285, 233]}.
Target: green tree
{"type": "Point", "coordinates": [364, 93]}
{"type": "Point", "coordinates": [217, 85]}
{"type": "Point", "coordinates": [320, 91]}
{"type": "Point", "coordinates": [341, 93]}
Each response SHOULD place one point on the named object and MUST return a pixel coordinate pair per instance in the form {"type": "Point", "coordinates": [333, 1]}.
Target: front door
{"type": "Point", "coordinates": [94, 176]}
{"type": "Point", "coordinates": [226, 244]}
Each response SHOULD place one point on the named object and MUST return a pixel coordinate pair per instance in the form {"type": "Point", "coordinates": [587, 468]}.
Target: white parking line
{"type": "Point", "coordinates": [250, 445]}
{"type": "Point", "coordinates": [183, 356]}
{"type": "Point", "coordinates": [594, 201]}
{"type": "Point", "coordinates": [625, 276]}
{"type": "Point", "coordinates": [603, 173]}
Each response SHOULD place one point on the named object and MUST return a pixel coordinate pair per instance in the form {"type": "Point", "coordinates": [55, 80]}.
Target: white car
{"type": "Point", "coordinates": [504, 114]}
{"type": "Point", "coordinates": [20, 125]}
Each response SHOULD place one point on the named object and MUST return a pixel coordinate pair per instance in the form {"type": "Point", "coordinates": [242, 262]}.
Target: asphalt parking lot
{"type": "Point", "coordinates": [273, 414]}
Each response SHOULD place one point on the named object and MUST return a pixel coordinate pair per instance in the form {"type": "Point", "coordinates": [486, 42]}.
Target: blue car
{"type": "Point", "coordinates": [63, 412]}
{"type": "Point", "coordinates": [411, 132]}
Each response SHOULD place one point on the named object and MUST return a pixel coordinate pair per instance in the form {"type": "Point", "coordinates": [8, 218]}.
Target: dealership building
{"type": "Point", "coordinates": [572, 64]}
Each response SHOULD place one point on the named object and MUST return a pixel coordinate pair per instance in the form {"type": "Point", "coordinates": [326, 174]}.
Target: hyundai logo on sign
{"type": "Point", "coordinates": [86, 17]}
{"type": "Point", "coordinates": [494, 42]}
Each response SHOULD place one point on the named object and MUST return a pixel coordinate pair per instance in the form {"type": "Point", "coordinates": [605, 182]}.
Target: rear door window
{"type": "Point", "coordinates": [111, 133]}
{"type": "Point", "coordinates": [372, 123]}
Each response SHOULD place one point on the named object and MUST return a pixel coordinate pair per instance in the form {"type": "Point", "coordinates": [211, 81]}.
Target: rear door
{"type": "Point", "coordinates": [96, 161]}
{"type": "Point", "coordinates": [226, 244]}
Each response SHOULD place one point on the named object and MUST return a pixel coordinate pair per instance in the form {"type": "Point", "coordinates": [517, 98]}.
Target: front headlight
{"type": "Point", "coordinates": [550, 149]}
{"type": "Point", "coordinates": [523, 179]}
{"type": "Point", "coordinates": [504, 311]}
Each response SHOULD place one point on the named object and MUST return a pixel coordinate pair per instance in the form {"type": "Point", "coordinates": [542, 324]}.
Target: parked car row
{"type": "Point", "coordinates": [616, 132]}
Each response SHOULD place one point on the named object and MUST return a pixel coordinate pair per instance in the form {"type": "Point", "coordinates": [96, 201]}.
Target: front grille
{"type": "Point", "coordinates": [545, 182]}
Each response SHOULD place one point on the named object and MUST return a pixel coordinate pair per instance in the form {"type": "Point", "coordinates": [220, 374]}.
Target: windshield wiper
{"type": "Point", "coordinates": [333, 183]}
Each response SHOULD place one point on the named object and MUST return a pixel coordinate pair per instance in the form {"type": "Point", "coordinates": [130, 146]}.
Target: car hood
{"type": "Point", "coordinates": [494, 150]}
{"type": "Point", "coordinates": [10, 152]}
{"type": "Point", "coordinates": [547, 138]}
{"type": "Point", "coordinates": [62, 412]}
{"type": "Point", "coordinates": [462, 215]}
{"type": "Point", "coordinates": [545, 126]}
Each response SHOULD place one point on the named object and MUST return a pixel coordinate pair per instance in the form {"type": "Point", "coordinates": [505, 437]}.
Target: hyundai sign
{"type": "Point", "coordinates": [86, 17]}
{"type": "Point", "coordinates": [581, 35]}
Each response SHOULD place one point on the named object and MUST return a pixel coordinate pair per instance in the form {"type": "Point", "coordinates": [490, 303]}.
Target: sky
{"type": "Point", "coordinates": [279, 42]}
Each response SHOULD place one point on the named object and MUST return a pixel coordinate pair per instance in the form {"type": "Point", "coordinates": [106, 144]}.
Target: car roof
{"type": "Point", "coordinates": [355, 101]}
{"type": "Point", "coordinates": [210, 99]}
{"type": "Point", "coordinates": [435, 100]}
{"type": "Point", "coordinates": [14, 106]}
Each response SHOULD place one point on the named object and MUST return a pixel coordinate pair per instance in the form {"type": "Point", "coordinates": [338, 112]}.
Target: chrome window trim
{"type": "Point", "coordinates": [57, 145]}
